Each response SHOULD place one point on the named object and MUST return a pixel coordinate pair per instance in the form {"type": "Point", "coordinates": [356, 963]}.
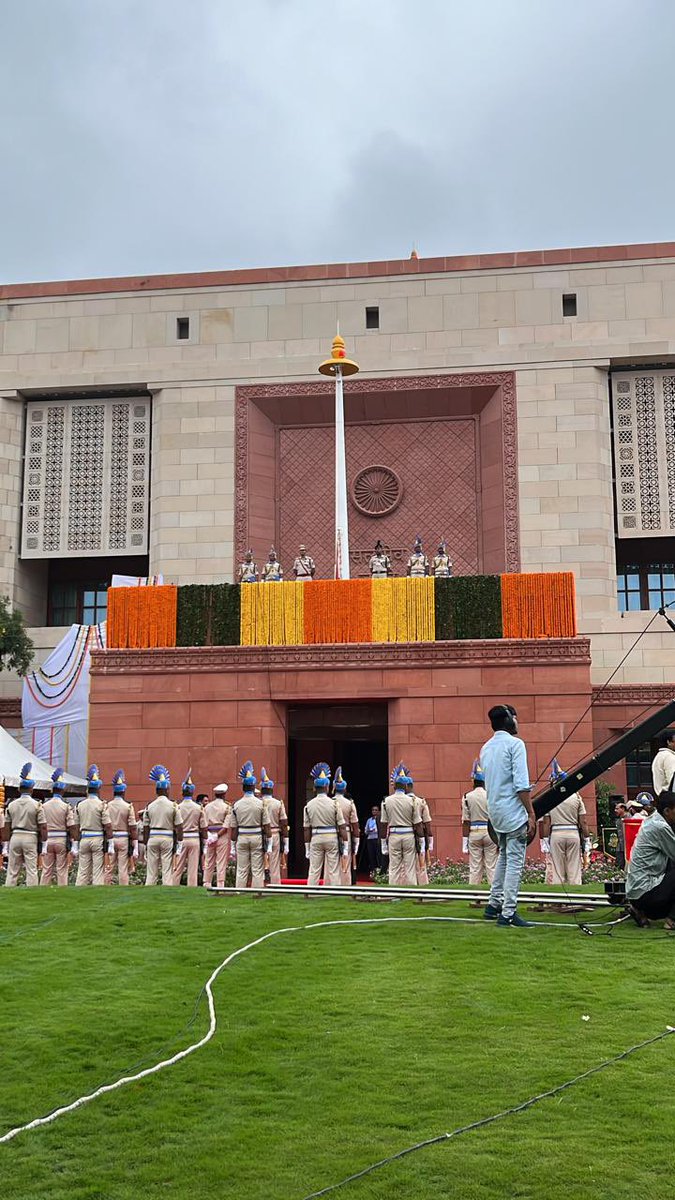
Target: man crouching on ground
{"type": "Point", "coordinates": [507, 782]}
{"type": "Point", "coordinates": [650, 882]}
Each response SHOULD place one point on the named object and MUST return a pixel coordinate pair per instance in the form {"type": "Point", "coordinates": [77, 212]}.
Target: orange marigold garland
{"type": "Point", "coordinates": [338, 610]}
{"type": "Point", "coordinates": [539, 605]}
{"type": "Point", "coordinates": [141, 618]}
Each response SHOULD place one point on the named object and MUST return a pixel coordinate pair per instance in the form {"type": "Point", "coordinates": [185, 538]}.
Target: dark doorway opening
{"type": "Point", "coordinates": [352, 736]}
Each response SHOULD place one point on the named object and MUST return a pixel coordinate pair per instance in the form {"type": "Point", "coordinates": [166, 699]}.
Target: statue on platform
{"type": "Point", "coordinates": [441, 564]}
{"type": "Point", "coordinates": [380, 563]}
{"type": "Point", "coordinates": [304, 566]}
{"type": "Point", "coordinates": [272, 572]}
{"type": "Point", "coordinates": [248, 571]}
{"type": "Point", "coordinates": [418, 563]}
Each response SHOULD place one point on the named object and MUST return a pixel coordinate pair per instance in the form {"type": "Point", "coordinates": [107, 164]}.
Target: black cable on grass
{"type": "Point", "coordinates": [506, 1112]}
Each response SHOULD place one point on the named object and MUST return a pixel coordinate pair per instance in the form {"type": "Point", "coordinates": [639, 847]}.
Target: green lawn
{"type": "Point", "coordinates": [335, 1047]}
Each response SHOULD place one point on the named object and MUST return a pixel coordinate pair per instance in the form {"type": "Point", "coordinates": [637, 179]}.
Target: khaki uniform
{"type": "Point", "coordinates": [323, 816]}
{"type": "Point", "coordinates": [217, 813]}
{"type": "Point", "coordinates": [163, 820]}
{"type": "Point", "coordinates": [663, 769]}
{"type": "Point", "coordinates": [194, 825]}
{"type": "Point", "coordinates": [60, 818]}
{"type": "Point", "coordinates": [400, 813]}
{"type": "Point", "coordinates": [421, 859]}
{"type": "Point", "coordinates": [276, 813]}
{"type": "Point", "coordinates": [248, 816]}
{"type": "Point", "coordinates": [23, 815]}
{"type": "Point", "coordinates": [92, 816]}
{"type": "Point", "coordinates": [483, 853]}
{"type": "Point", "coordinates": [566, 841]}
{"type": "Point", "coordinates": [123, 820]}
{"type": "Point", "coordinates": [350, 817]}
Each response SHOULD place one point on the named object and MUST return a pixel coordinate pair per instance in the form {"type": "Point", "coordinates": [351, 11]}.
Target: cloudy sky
{"type": "Point", "coordinates": [172, 135]}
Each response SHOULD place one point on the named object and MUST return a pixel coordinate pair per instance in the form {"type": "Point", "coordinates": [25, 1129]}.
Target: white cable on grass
{"type": "Point", "coordinates": [170, 1062]}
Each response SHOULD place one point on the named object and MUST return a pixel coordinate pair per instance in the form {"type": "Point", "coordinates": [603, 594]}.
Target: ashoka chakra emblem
{"type": "Point", "coordinates": [377, 491]}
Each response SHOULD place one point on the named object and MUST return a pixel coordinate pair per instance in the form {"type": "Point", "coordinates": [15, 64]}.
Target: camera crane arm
{"type": "Point", "coordinates": [598, 763]}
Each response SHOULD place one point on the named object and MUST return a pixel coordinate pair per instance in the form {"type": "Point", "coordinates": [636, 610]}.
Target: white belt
{"type": "Point", "coordinates": [161, 833]}
{"type": "Point", "coordinates": [554, 827]}
{"type": "Point", "coordinates": [401, 829]}
{"type": "Point", "coordinates": [479, 824]}
{"type": "Point", "coordinates": [87, 833]}
{"type": "Point", "coordinates": [190, 835]}
{"type": "Point", "coordinates": [324, 829]}
{"type": "Point", "coordinates": [56, 833]}
{"type": "Point", "coordinates": [120, 833]}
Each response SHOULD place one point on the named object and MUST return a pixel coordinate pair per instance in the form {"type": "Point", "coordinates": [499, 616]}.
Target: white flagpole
{"type": "Point", "coordinates": [341, 518]}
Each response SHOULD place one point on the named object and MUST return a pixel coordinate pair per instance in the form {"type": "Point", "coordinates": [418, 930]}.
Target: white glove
{"type": "Point", "coordinates": [357, 843]}
{"type": "Point", "coordinates": [465, 845]}
{"type": "Point", "coordinates": [587, 845]}
{"type": "Point", "coordinates": [285, 845]}
{"type": "Point", "coordinates": [74, 849]}
{"type": "Point", "coordinates": [384, 846]}
{"type": "Point", "coordinates": [545, 846]}
{"type": "Point", "coordinates": [307, 846]}
{"type": "Point", "coordinates": [233, 850]}
{"type": "Point", "coordinates": [423, 846]}
{"type": "Point", "coordinates": [269, 845]}
{"type": "Point", "coordinates": [134, 852]}
{"type": "Point", "coordinates": [5, 849]}
{"type": "Point", "coordinates": [43, 847]}
{"type": "Point", "coordinates": [111, 846]}
{"type": "Point", "coordinates": [430, 847]}
{"type": "Point", "coordinates": [211, 839]}
{"type": "Point", "coordinates": [344, 849]}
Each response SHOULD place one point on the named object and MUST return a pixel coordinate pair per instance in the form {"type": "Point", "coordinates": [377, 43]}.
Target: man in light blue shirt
{"type": "Point", "coordinates": [507, 782]}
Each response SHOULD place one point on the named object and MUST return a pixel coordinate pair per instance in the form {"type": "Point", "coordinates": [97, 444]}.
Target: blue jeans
{"type": "Point", "coordinates": [509, 869]}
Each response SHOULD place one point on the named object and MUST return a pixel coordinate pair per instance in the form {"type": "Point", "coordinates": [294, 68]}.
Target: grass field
{"type": "Point", "coordinates": [334, 1048]}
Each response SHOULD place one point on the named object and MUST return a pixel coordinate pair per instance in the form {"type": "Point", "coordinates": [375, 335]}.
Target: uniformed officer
{"type": "Point", "coordinates": [325, 830]}
{"type": "Point", "coordinates": [162, 830]}
{"type": "Point", "coordinates": [194, 830]}
{"type": "Point", "coordinates": [562, 830]}
{"type": "Point", "coordinates": [401, 823]}
{"type": "Point", "coordinates": [663, 766]}
{"type": "Point", "coordinates": [94, 828]}
{"type": "Point", "coordinates": [24, 823]}
{"type": "Point", "coordinates": [278, 821]}
{"type": "Point", "coordinates": [426, 843]}
{"type": "Point", "coordinates": [217, 813]}
{"type": "Point", "coordinates": [476, 841]}
{"type": "Point", "coordinates": [60, 819]}
{"type": "Point", "coordinates": [125, 831]}
{"type": "Point", "coordinates": [249, 823]}
{"type": "Point", "coordinates": [351, 819]}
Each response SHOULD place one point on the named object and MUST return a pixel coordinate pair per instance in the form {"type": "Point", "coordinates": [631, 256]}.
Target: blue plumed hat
{"type": "Point", "coordinates": [26, 781]}
{"type": "Point", "coordinates": [556, 772]}
{"type": "Point", "coordinates": [340, 783]}
{"type": "Point", "coordinates": [119, 783]}
{"type": "Point", "coordinates": [58, 782]}
{"type": "Point", "coordinates": [159, 775]}
{"type": "Point", "coordinates": [94, 779]}
{"type": "Point", "coordinates": [247, 776]}
{"type": "Point", "coordinates": [477, 773]}
{"type": "Point", "coordinates": [187, 784]}
{"type": "Point", "coordinates": [266, 784]}
{"type": "Point", "coordinates": [320, 773]}
{"type": "Point", "coordinates": [400, 777]}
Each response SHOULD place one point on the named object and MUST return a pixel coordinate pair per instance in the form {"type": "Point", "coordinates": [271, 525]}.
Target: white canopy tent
{"type": "Point", "coordinates": [12, 757]}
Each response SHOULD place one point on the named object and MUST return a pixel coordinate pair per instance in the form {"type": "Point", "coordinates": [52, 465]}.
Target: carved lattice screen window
{"type": "Point", "coordinates": [86, 478]}
{"type": "Point", "coordinates": [644, 453]}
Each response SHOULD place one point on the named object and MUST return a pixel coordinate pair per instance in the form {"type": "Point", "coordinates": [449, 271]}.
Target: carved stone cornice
{"type": "Point", "coordinates": [347, 657]}
{"type": "Point", "coordinates": [634, 694]}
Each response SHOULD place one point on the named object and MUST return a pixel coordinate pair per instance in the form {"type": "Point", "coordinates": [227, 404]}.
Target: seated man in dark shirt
{"type": "Point", "coordinates": [650, 882]}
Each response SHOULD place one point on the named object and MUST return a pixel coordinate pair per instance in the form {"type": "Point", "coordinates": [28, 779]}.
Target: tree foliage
{"type": "Point", "coordinates": [16, 648]}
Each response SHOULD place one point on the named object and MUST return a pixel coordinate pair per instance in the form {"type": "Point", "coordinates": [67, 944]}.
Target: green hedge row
{"type": "Point", "coordinates": [208, 615]}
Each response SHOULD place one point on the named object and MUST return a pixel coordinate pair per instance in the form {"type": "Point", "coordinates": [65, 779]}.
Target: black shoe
{"type": "Point", "coordinates": [491, 913]}
{"type": "Point", "coordinates": [518, 922]}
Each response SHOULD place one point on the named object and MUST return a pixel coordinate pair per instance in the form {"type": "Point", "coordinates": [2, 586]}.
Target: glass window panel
{"type": "Point", "coordinates": [622, 602]}
{"type": "Point", "coordinates": [88, 597]}
{"type": "Point", "coordinates": [102, 596]}
{"type": "Point", "coordinates": [633, 581]}
{"type": "Point", "coordinates": [632, 775]}
{"type": "Point", "coordinates": [668, 579]}
{"type": "Point", "coordinates": [634, 602]}
{"type": "Point", "coordinates": [88, 616]}
{"type": "Point", "coordinates": [669, 597]}
{"type": "Point", "coordinates": [654, 580]}
{"type": "Point", "coordinates": [655, 599]}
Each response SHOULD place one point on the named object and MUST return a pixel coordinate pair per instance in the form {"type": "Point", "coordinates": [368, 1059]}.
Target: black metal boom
{"type": "Point", "coordinates": [604, 759]}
